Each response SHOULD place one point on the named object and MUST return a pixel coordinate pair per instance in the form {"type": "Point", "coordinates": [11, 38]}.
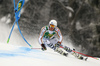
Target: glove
{"type": "Point", "coordinates": [58, 44]}
{"type": "Point", "coordinates": [43, 47]}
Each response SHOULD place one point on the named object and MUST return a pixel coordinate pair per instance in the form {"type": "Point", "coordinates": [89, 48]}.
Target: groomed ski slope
{"type": "Point", "coordinates": [11, 55]}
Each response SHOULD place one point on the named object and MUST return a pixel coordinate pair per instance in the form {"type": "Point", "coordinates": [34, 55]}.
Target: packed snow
{"type": "Point", "coordinates": [11, 55]}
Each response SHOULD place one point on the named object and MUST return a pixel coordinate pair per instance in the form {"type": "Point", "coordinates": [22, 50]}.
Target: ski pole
{"type": "Point", "coordinates": [35, 48]}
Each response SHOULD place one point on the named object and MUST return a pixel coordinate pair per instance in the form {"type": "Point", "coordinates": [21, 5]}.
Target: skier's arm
{"type": "Point", "coordinates": [59, 34]}
{"type": "Point", "coordinates": [41, 35]}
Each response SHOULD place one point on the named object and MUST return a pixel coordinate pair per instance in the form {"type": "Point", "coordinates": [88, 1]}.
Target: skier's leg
{"type": "Point", "coordinates": [73, 53]}
{"type": "Point", "coordinates": [55, 48]}
{"type": "Point", "coordinates": [46, 42]}
{"type": "Point", "coordinates": [59, 50]}
{"type": "Point", "coordinates": [66, 48]}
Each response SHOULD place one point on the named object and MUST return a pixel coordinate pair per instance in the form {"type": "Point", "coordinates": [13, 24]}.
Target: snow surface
{"type": "Point", "coordinates": [11, 55]}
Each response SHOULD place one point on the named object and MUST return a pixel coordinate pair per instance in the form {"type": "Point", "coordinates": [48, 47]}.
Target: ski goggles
{"type": "Point", "coordinates": [53, 26]}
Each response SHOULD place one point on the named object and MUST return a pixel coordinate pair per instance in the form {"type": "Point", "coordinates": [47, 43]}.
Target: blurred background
{"type": "Point", "coordinates": [78, 20]}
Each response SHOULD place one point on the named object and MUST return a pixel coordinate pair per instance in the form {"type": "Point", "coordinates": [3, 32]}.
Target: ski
{"type": "Point", "coordinates": [76, 54]}
{"type": "Point", "coordinates": [61, 52]}
{"type": "Point", "coordinates": [81, 57]}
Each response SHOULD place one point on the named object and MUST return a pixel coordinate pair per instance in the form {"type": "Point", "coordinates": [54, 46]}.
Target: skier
{"type": "Point", "coordinates": [47, 38]}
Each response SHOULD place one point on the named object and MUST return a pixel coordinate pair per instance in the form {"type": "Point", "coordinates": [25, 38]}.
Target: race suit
{"type": "Point", "coordinates": [48, 38]}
